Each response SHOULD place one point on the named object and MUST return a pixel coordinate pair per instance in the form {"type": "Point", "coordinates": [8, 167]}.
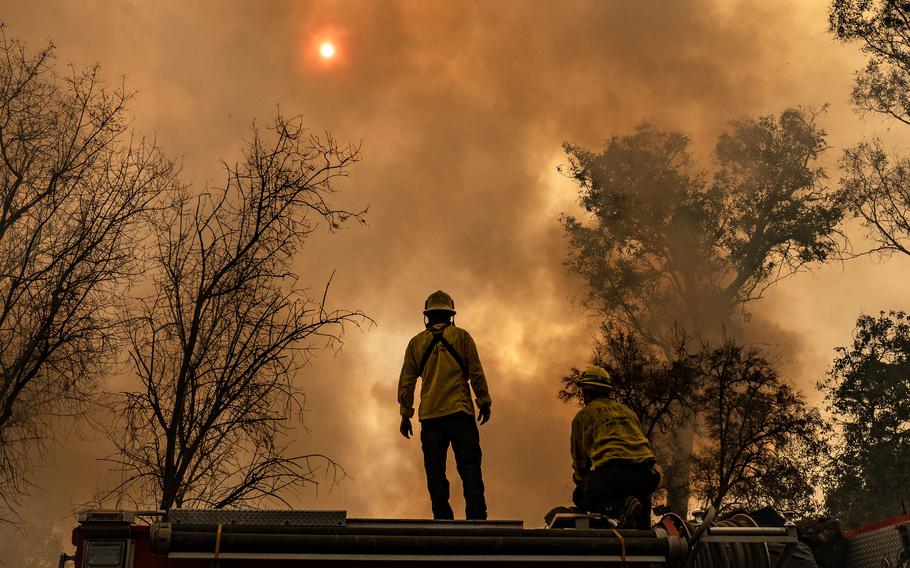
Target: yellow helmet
{"type": "Point", "coordinates": [439, 301]}
{"type": "Point", "coordinates": [596, 377]}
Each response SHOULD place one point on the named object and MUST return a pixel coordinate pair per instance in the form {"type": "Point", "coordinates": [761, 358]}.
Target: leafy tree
{"type": "Point", "coordinates": [217, 345]}
{"type": "Point", "coordinates": [882, 28]}
{"type": "Point", "coordinates": [868, 393]}
{"type": "Point", "coordinates": [663, 248]}
{"type": "Point", "coordinates": [644, 254]}
{"type": "Point", "coordinates": [653, 388]}
{"type": "Point", "coordinates": [867, 385]}
{"type": "Point", "coordinates": [761, 445]}
{"type": "Point", "coordinates": [874, 185]}
{"type": "Point", "coordinates": [74, 186]}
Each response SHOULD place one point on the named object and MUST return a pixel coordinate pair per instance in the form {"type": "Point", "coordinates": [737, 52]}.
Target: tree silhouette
{"type": "Point", "coordinates": [759, 442]}
{"type": "Point", "coordinates": [874, 185]}
{"type": "Point", "coordinates": [74, 186]}
{"type": "Point", "coordinates": [881, 29]}
{"type": "Point", "coordinates": [868, 393]}
{"type": "Point", "coordinates": [661, 248]}
{"type": "Point", "coordinates": [660, 392]}
{"type": "Point", "coordinates": [655, 389]}
{"type": "Point", "coordinates": [218, 344]}
{"type": "Point", "coordinates": [762, 444]}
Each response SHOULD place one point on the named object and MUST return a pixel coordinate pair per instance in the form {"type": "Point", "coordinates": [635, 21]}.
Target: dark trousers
{"type": "Point", "coordinates": [606, 488]}
{"type": "Point", "coordinates": [460, 431]}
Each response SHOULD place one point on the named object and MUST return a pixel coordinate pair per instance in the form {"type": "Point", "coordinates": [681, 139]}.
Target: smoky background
{"type": "Point", "coordinates": [461, 109]}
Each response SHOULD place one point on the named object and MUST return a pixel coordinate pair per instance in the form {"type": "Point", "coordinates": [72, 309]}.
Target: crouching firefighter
{"type": "Point", "coordinates": [446, 359]}
{"type": "Point", "coordinates": [613, 462]}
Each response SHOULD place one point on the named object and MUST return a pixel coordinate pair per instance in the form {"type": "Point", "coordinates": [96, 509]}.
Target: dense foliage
{"type": "Point", "coordinates": [868, 394]}
{"type": "Point", "coordinates": [662, 248]}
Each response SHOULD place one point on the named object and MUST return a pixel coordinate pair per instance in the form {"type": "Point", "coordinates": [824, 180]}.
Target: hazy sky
{"type": "Point", "coordinates": [461, 108]}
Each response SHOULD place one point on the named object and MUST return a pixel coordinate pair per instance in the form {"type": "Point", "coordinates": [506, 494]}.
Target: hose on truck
{"type": "Point", "coordinates": [729, 554]}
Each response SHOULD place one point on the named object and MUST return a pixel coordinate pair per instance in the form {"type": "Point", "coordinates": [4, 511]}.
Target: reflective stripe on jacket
{"type": "Point", "coordinates": [444, 389]}
{"type": "Point", "coordinates": [606, 430]}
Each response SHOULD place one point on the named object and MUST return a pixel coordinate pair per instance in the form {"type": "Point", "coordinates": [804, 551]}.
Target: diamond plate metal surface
{"type": "Point", "coordinates": [868, 549]}
{"type": "Point", "coordinates": [257, 518]}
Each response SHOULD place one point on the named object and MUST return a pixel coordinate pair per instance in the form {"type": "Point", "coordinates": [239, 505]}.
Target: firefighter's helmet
{"type": "Point", "coordinates": [597, 378]}
{"type": "Point", "coordinates": [439, 301]}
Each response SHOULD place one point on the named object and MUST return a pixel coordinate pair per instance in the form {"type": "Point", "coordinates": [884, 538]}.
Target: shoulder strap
{"type": "Point", "coordinates": [455, 355]}
{"type": "Point", "coordinates": [439, 338]}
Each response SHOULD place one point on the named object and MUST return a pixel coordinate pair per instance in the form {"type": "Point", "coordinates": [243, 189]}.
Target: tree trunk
{"type": "Point", "coordinates": [677, 476]}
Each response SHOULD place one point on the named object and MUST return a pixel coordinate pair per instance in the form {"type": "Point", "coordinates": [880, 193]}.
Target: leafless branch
{"type": "Point", "coordinates": [74, 186]}
{"type": "Point", "coordinates": [219, 345]}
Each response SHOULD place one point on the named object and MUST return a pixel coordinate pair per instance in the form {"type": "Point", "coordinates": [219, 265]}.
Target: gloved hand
{"type": "Point", "coordinates": [405, 428]}
{"type": "Point", "coordinates": [484, 415]}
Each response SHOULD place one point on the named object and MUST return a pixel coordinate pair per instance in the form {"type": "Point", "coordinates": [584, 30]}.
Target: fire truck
{"type": "Point", "coordinates": [204, 538]}
{"type": "Point", "coordinates": [329, 539]}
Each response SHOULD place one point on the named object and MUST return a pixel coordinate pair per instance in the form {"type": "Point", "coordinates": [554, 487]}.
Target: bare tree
{"type": "Point", "coordinates": [217, 346]}
{"type": "Point", "coordinates": [73, 186]}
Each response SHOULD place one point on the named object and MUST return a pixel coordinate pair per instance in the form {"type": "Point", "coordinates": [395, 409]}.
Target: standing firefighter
{"type": "Point", "coordinates": [613, 461]}
{"type": "Point", "coordinates": [446, 358]}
